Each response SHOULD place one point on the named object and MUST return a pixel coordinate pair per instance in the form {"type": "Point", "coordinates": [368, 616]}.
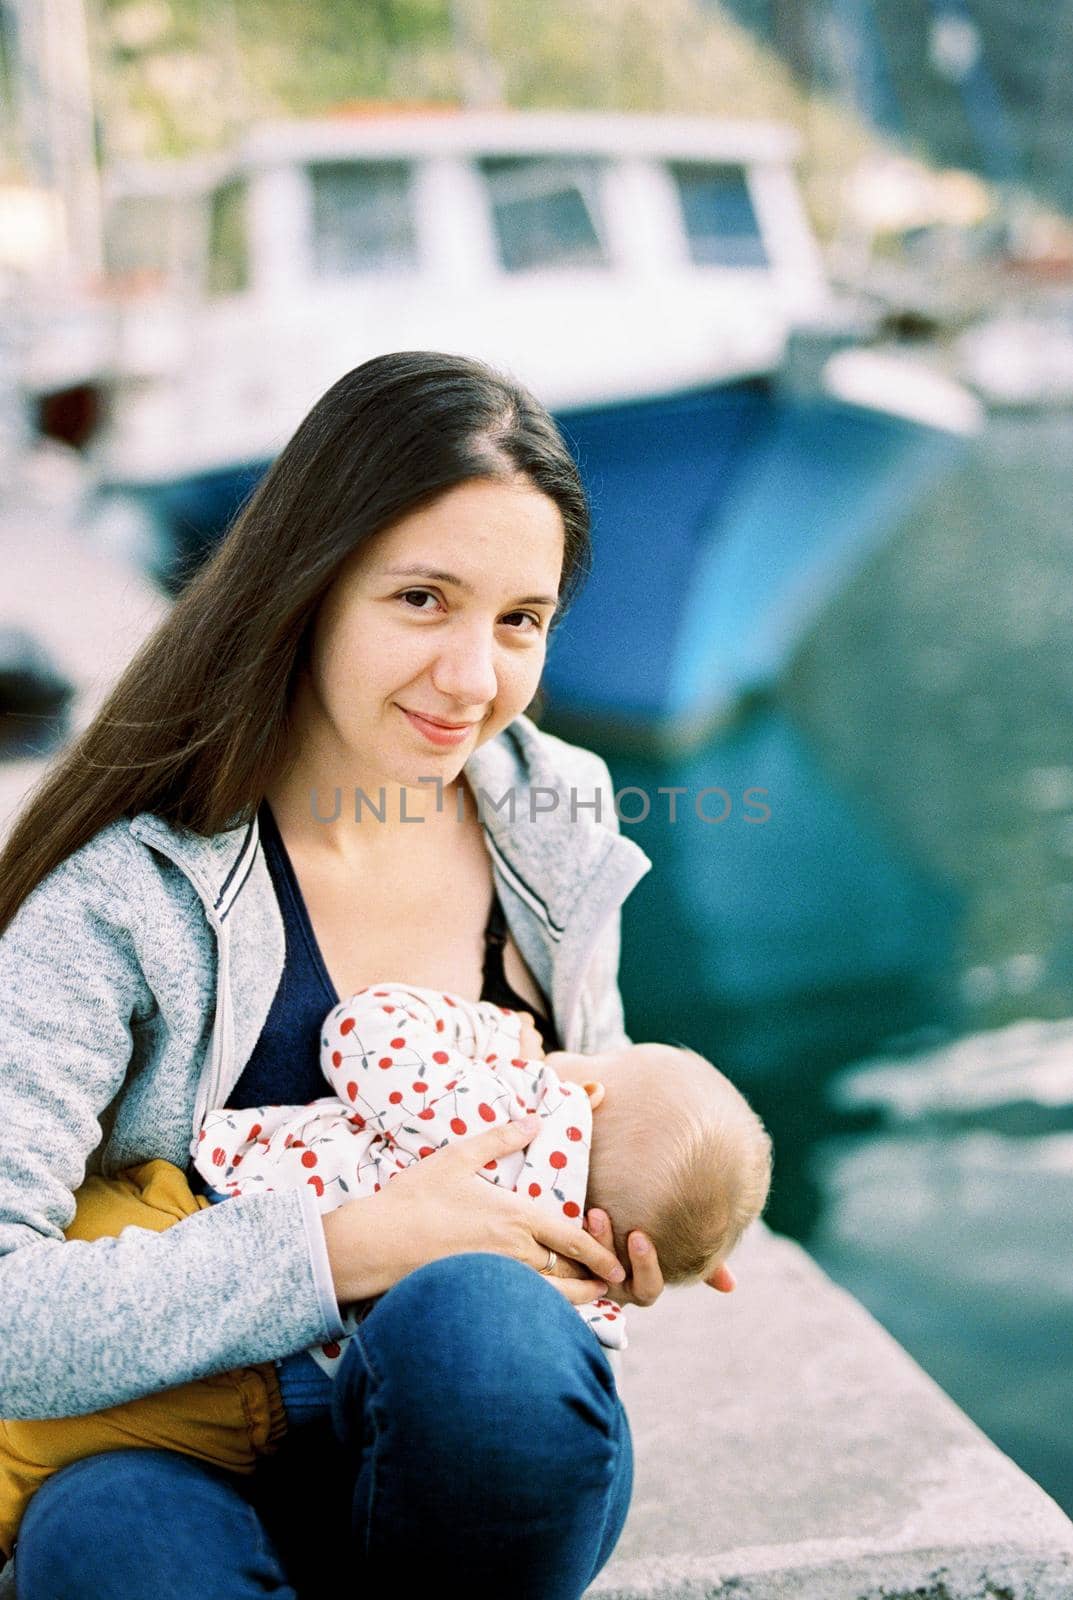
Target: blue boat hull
{"type": "Point", "coordinates": [722, 523]}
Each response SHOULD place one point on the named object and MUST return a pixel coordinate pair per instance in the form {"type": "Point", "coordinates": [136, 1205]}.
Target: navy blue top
{"type": "Point", "coordinates": [284, 1068]}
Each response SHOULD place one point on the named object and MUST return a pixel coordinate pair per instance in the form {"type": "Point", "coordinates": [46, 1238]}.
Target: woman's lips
{"type": "Point", "coordinates": [437, 732]}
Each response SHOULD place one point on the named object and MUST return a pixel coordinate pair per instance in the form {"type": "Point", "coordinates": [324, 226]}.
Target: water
{"type": "Point", "coordinates": [951, 1216]}
{"type": "Point", "coordinates": [951, 1221]}
{"type": "Point", "coordinates": [912, 889]}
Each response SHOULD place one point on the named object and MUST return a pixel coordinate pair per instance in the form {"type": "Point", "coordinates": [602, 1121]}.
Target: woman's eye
{"type": "Point", "coordinates": [410, 596]}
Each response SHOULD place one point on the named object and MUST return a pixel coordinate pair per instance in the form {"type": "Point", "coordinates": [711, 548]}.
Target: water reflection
{"type": "Point", "coordinates": [810, 934]}
{"type": "Point", "coordinates": [961, 1246]}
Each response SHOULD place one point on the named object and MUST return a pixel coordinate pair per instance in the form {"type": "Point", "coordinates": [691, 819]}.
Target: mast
{"type": "Point", "coordinates": [52, 85]}
{"type": "Point", "coordinates": [479, 74]}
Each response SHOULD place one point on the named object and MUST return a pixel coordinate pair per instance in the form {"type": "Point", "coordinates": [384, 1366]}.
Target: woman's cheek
{"type": "Point", "coordinates": [393, 659]}
{"type": "Point", "coordinates": [525, 678]}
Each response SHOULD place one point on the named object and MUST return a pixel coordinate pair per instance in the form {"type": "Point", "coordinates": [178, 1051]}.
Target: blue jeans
{"type": "Point", "coordinates": [475, 1431]}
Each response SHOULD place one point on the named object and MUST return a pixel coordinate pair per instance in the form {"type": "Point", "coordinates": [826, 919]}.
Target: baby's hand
{"type": "Point", "coordinates": [530, 1044]}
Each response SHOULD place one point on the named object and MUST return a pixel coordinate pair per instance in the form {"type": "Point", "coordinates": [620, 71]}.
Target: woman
{"type": "Point", "coordinates": [177, 900]}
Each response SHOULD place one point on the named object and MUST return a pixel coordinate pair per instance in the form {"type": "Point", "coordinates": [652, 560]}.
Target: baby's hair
{"type": "Point", "coordinates": [689, 1164]}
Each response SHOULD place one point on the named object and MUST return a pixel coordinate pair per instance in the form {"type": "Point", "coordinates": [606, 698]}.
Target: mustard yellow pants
{"type": "Point", "coordinates": [228, 1419]}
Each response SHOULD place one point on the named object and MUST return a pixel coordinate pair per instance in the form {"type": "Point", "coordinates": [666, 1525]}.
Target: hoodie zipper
{"type": "Point", "coordinates": [224, 1023]}
{"type": "Point", "coordinates": [208, 1089]}
{"type": "Point", "coordinates": [613, 896]}
{"type": "Point", "coordinates": [222, 1041]}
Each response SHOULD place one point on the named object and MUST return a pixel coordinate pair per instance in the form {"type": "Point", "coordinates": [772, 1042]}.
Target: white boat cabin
{"type": "Point", "coordinates": [597, 256]}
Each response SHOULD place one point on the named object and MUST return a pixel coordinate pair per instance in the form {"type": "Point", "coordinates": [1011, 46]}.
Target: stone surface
{"type": "Point", "coordinates": [787, 1446]}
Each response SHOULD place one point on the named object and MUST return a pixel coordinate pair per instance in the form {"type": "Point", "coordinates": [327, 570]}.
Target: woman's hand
{"type": "Point", "coordinates": [440, 1207]}
{"type": "Point", "coordinates": [530, 1044]}
{"type": "Point", "coordinates": [645, 1283]}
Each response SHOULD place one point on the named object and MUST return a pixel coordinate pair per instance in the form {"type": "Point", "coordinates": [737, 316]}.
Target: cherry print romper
{"type": "Point", "coordinates": [410, 1069]}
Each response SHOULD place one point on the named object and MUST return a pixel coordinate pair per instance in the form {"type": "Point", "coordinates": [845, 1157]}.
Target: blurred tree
{"type": "Point", "coordinates": [181, 75]}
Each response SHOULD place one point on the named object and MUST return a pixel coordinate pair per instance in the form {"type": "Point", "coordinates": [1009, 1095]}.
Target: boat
{"type": "Point", "coordinates": [653, 279]}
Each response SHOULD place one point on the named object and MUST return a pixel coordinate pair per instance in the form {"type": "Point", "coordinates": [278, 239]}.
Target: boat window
{"type": "Point", "coordinates": [717, 210]}
{"type": "Point", "coordinates": [362, 217]}
{"type": "Point", "coordinates": [229, 262]}
{"type": "Point", "coordinates": [545, 211]}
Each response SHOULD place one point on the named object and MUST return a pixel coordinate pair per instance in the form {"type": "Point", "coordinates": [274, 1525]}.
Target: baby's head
{"type": "Point", "coordinates": [677, 1152]}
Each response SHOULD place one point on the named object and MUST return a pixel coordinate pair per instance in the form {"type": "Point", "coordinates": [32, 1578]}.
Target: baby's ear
{"type": "Point", "coordinates": [595, 1092]}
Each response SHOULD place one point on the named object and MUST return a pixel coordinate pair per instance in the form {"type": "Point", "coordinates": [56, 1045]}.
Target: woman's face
{"type": "Point", "coordinates": [442, 616]}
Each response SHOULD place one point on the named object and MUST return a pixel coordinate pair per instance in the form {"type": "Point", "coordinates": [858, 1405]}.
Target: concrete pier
{"type": "Point", "coordinates": [787, 1448]}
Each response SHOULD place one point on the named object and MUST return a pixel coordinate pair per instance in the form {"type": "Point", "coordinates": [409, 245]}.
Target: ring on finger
{"type": "Point", "coordinates": [549, 1265]}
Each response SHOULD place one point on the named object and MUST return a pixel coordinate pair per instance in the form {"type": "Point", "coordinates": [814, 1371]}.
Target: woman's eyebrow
{"type": "Point", "coordinates": [436, 576]}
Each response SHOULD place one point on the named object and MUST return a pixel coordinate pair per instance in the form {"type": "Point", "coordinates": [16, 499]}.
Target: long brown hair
{"type": "Point", "coordinates": [198, 723]}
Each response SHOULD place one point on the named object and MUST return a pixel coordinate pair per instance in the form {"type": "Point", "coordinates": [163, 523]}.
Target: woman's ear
{"type": "Point", "coordinates": [595, 1092]}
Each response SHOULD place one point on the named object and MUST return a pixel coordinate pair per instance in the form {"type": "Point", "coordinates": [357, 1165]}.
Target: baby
{"type": "Point", "coordinates": [679, 1155]}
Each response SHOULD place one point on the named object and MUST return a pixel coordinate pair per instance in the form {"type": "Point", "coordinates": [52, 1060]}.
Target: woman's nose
{"type": "Point", "coordinates": [464, 670]}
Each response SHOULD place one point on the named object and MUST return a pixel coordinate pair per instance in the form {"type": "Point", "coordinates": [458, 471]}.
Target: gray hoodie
{"type": "Point", "coordinates": [134, 982]}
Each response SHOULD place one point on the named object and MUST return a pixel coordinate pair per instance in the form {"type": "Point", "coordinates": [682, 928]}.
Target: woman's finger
{"type": "Point", "coordinates": [646, 1281]}
{"type": "Point", "coordinates": [723, 1280]}
{"type": "Point", "coordinates": [566, 1239]}
{"type": "Point", "coordinates": [573, 1242]}
{"type": "Point", "coordinates": [479, 1150]}
{"type": "Point", "coordinates": [599, 1225]}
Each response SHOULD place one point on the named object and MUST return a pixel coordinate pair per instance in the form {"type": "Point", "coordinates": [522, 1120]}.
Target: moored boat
{"type": "Point", "coordinates": [646, 276]}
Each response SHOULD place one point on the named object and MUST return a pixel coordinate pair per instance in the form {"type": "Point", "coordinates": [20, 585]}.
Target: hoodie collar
{"type": "Point", "coordinates": [217, 864]}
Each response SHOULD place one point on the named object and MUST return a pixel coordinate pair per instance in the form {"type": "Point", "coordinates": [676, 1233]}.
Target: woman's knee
{"type": "Point", "coordinates": [476, 1404]}
{"type": "Point", "coordinates": [137, 1520]}
{"type": "Point", "coordinates": [480, 1336]}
